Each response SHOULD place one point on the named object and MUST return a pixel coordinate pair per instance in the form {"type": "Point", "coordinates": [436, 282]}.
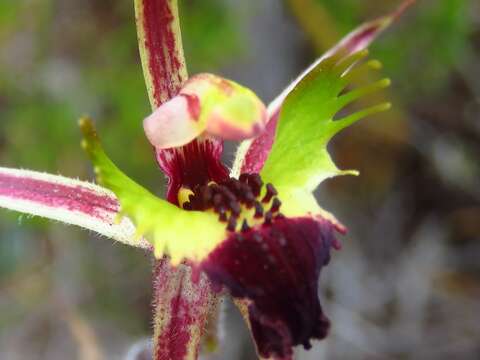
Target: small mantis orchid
{"type": "Point", "coordinates": [255, 232]}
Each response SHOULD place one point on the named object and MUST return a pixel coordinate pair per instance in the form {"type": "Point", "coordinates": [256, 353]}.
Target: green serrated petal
{"type": "Point", "coordinates": [172, 231]}
{"type": "Point", "coordinates": [299, 159]}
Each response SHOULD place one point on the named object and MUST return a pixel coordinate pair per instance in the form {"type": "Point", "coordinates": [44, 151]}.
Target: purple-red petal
{"type": "Point", "coordinates": [74, 197]}
{"type": "Point", "coordinates": [68, 200]}
{"type": "Point", "coordinates": [276, 269]}
{"type": "Point", "coordinates": [260, 147]}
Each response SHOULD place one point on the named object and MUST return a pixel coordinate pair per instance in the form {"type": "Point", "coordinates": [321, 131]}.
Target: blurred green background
{"type": "Point", "coordinates": [406, 285]}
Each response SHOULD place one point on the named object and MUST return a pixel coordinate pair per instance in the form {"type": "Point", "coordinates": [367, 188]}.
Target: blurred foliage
{"type": "Point", "coordinates": [210, 33]}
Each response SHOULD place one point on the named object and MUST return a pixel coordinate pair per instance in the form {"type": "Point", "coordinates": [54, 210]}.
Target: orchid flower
{"type": "Point", "coordinates": [255, 232]}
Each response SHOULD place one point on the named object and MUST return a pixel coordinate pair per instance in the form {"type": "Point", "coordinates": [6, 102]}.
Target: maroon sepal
{"type": "Point", "coordinates": [276, 268]}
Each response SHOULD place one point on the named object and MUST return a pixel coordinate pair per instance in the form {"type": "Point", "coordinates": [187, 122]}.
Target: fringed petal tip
{"type": "Point", "coordinates": [276, 270]}
{"type": "Point", "coordinates": [206, 104]}
{"type": "Point", "coordinates": [253, 154]}
{"type": "Point", "coordinates": [299, 156]}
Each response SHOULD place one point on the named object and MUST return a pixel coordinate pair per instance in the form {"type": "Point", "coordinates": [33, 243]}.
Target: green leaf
{"type": "Point", "coordinates": [299, 159]}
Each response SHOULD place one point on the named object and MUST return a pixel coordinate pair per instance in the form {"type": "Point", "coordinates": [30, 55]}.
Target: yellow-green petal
{"type": "Point", "coordinates": [299, 159]}
{"type": "Point", "coordinates": [172, 231]}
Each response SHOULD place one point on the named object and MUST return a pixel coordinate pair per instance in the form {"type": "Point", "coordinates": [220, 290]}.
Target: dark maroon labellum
{"type": "Point", "coordinates": [276, 268]}
{"type": "Point", "coordinates": [271, 261]}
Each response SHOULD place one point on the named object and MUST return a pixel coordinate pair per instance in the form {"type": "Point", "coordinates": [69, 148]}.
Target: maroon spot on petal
{"type": "Point", "coordinates": [51, 194]}
{"type": "Point", "coordinates": [194, 106]}
{"type": "Point", "coordinates": [276, 268]}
